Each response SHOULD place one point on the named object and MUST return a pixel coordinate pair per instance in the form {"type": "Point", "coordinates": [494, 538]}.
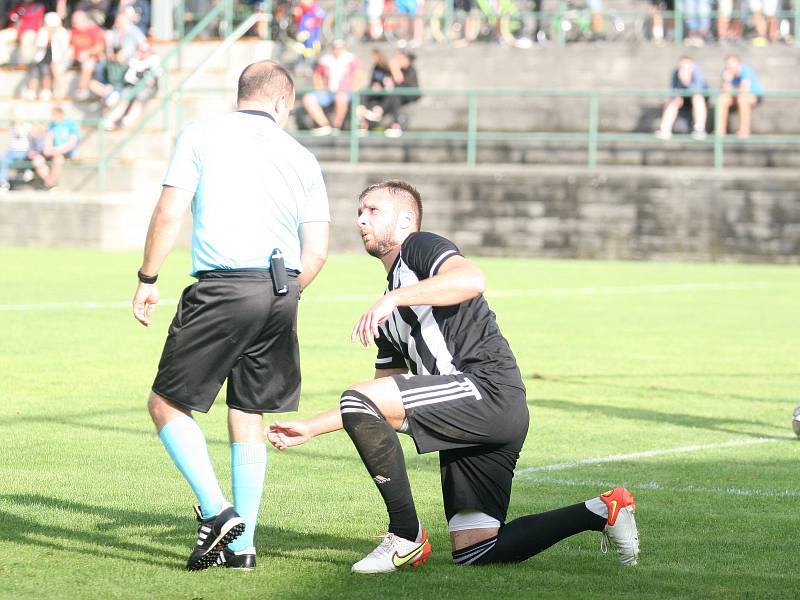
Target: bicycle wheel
{"type": "Point", "coordinates": [520, 30]}
{"type": "Point", "coordinates": [464, 26]}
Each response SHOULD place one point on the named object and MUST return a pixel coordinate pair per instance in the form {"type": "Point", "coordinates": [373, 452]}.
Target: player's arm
{"type": "Point", "coordinates": [161, 235]}
{"type": "Point", "coordinates": [293, 433]}
{"type": "Point", "coordinates": [456, 281]}
{"type": "Point", "coordinates": [313, 250]}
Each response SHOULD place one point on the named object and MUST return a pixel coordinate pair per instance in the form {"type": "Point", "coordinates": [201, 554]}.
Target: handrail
{"type": "Point", "coordinates": [224, 45]}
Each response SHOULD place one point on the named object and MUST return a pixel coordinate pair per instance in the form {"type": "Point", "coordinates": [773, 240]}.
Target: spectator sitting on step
{"type": "Point", "coordinates": [146, 65]}
{"type": "Point", "coordinates": [24, 21]}
{"type": "Point", "coordinates": [17, 150]}
{"type": "Point", "coordinates": [47, 70]}
{"type": "Point", "coordinates": [403, 74]}
{"type": "Point", "coordinates": [124, 37]}
{"type": "Point", "coordinates": [88, 44]}
{"type": "Point", "coordinates": [381, 77]}
{"type": "Point", "coordinates": [109, 78]}
{"type": "Point", "coordinates": [687, 78]}
{"type": "Point", "coordinates": [138, 12]}
{"type": "Point", "coordinates": [60, 143]}
{"type": "Point", "coordinates": [337, 76]}
{"type": "Point", "coordinates": [739, 78]}
{"type": "Point", "coordinates": [99, 11]}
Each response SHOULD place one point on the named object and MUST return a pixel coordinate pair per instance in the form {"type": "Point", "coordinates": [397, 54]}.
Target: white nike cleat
{"type": "Point", "coordinates": [621, 526]}
{"type": "Point", "coordinates": [394, 553]}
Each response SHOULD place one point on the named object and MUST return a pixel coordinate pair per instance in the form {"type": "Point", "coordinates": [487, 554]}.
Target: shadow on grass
{"type": "Point", "coordinates": [602, 380]}
{"type": "Point", "coordinates": [113, 532]}
{"type": "Point", "coordinates": [720, 424]}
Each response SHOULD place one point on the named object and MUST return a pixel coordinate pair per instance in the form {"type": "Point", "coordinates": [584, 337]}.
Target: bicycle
{"type": "Point", "coordinates": [574, 23]}
{"type": "Point", "coordinates": [472, 20]}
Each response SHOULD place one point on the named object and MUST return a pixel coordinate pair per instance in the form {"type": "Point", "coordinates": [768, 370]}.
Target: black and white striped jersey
{"type": "Point", "coordinates": [441, 340]}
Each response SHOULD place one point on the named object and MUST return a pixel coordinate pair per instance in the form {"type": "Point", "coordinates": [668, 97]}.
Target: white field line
{"type": "Point", "coordinates": [509, 293]}
{"type": "Point", "coordinates": [655, 485]}
{"type": "Point", "coordinates": [598, 460]}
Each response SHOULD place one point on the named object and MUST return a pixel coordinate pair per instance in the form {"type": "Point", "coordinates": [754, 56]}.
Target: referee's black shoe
{"type": "Point", "coordinates": [244, 560]}
{"type": "Point", "coordinates": [212, 535]}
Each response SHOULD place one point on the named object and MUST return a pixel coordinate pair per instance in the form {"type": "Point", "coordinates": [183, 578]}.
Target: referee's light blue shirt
{"type": "Point", "coordinates": [253, 185]}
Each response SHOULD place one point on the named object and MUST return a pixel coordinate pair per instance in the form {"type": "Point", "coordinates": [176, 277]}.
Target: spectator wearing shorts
{"type": "Point", "coordinates": [60, 143]}
{"type": "Point", "coordinates": [765, 19]}
{"type": "Point", "coordinates": [687, 77]}
{"type": "Point", "coordinates": [338, 74]}
{"type": "Point", "coordinates": [698, 21]}
{"type": "Point", "coordinates": [410, 23]}
{"type": "Point", "coordinates": [24, 21]}
{"type": "Point", "coordinates": [88, 43]}
{"type": "Point", "coordinates": [146, 65]}
{"type": "Point", "coordinates": [50, 61]}
{"type": "Point", "coordinates": [740, 78]}
{"type": "Point", "coordinates": [596, 8]}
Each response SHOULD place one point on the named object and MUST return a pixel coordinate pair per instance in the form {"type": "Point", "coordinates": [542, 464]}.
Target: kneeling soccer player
{"type": "Point", "coordinates": [465, 399]}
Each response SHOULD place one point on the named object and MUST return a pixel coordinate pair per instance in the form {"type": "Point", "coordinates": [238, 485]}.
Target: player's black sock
{"type": "Point", "coordinates": [522, 538]}
{"type": "Point", "coordinates": [380, 450]}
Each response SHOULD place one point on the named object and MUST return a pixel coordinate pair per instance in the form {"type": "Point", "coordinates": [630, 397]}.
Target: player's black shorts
{"type": "Point", "coordinates": [230, 325]}
{"type": "Point", "coordinates": [477, 426]}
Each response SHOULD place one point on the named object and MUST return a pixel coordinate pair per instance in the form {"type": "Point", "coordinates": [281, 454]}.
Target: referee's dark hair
{"type": "Point", "coordinates": [264, 80]}
{"type": "Point", "coordinates": [402, 190]}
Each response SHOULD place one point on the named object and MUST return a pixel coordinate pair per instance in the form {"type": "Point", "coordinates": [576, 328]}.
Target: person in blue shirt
{"type": "Point", "coordinates": [741, 91]}
{"type": "Point", "coordinates": [61, 140]}
{"type": "Point", "coordinates": [687, 78]}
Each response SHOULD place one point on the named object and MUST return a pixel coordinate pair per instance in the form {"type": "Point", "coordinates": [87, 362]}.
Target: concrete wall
{"type": "Point", "coordinates": [614, 213]}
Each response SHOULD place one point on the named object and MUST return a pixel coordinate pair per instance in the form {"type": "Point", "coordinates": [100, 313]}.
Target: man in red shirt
{"type": "Point", "coordinates": [25, 19]}
{"type": "Point", "coordinates": [88, 42]}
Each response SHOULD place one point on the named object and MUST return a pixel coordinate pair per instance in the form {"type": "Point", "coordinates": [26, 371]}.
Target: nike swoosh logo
{"type": "Point", "coordinates": [612, 516]}
{"type": "Point", "coordinates": [399, 561]}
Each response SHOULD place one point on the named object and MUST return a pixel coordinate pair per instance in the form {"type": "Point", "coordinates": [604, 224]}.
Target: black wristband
{"type": "Point", "coordinates": [147, 278]}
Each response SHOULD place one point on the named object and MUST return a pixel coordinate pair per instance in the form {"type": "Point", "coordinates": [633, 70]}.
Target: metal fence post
{"type": "Point", "coordinates": [472, 129]}
{"type": "Point", "coordinates": [795, 22]}
{"type": "Point", "coordinates": [678, 14]}
{"type": "Point", "coordinates": [338, 19]}
{"type": "Point", "coordinates": [101, 157]}
{"type": "Point", "coordinates": [719, 134]}
{"type": "Point", "coordinates": [448, 17]}
{"type": "Point", "coordinates": [354, 103]}
{"type": "Point", "coordinates": [228, 17]}
{"type": "Point", "coordinates": [594, 109]}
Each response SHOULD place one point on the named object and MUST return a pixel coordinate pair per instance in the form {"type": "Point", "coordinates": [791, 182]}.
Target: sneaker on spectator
{"type": "Point", "coordinates": [393, 132]}
{"type": "Point", "coordinates": [81, 95]}
{"type": "Point", "coordinates": [321, 131]}
{"type": "Point", "coordinates": [699, 134]}
{"type": "Point", "coordinates": [4, 187]}
{"type": "Point", "coordinates": [111, 99]}
{"type": "Point", "coordinates": [760, 42]}
{"type": "Point", "coordinates": [45, 95]}
{"type": "Point", "coordinates": [27, 175]}
{"type": "Point", "coordinates": [28, 94]}
{"type": "Point", "coordinates": [663, 135]}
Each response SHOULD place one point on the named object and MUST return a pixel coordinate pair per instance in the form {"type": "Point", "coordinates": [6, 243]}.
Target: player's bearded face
{"type": "Point", "coordinates": [377, 223]}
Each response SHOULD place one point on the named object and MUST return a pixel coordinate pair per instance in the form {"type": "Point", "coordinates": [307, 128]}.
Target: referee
{"type": "Point", "coordinates": [256, 195]}
{"type": "Point", "coordinates": [464, 398]}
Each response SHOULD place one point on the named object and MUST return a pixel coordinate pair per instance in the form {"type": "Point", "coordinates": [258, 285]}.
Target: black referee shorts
{"type": "Point", "coordinates": [230, 325]}
{"type": "Point", "coordinates": [477, 426]}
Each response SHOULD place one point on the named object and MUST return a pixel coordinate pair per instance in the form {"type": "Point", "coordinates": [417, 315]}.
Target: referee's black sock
{"type": "Point", "coordinates": [380, 450]}
{"type": "Point", "coordinates": [524, 537]}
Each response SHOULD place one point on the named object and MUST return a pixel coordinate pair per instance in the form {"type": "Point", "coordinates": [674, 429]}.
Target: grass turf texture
{"type": "Point", "coordinates": [91, 506]}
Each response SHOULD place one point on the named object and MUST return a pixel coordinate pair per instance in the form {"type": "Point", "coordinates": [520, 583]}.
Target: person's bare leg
{"type": "Point", "coordinates": [724, 108]}
{"type": "Point", "coordinates": [340, 106]}
{"type": "Point", "coordinates": [55, 171]}
{"type": "Point", "coordinates": [670, 115]}
{"type": "Point", "coordinates": [314, 110]}
{"type": "Point", "coordinates": [745, 104]}
{"type": "Point", "coordinates": [699, 112]}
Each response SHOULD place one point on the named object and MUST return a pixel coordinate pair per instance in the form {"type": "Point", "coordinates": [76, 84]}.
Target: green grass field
{"type": "Point", "coordinates": [677, 380]}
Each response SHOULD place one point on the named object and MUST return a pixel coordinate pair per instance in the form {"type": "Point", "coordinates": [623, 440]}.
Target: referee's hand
{"type": "Point", "coordinates": [144, 302]}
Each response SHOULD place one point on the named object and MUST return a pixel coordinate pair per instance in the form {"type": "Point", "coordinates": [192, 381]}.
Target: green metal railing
{"type": "Point", "coordinates": [592, 137]}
